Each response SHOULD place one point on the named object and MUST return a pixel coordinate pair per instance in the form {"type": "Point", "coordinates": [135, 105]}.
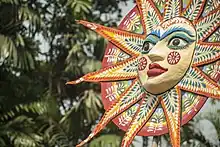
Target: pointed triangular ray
{"type": "Point", "coordinates": [126, 41]}
{"type": "Point", "coordinates": [150, 15]}
{"type": "Point", "coordinates": [211, 5]}
{"type": "Point", "coordinates": [208, 24]}
{"type": "Point", "coordinates": [196, 81]}
{"type": "Point", "coordinates": [171, 103]}
{"type": "Point", "coordinates": [206, 53]}
{"type": "Point", "coordinates": [122, 71]}
{"type": "Point", "coordinates": [131, 96]}
{"type": "Point", "coordinates": [144, 112]}
{"type": "Point", "coordinates": [194, 9]}
{"type": "Point", "coordinates": [215, 37]}
{"type": "Point", "coordinates": [172, 9]}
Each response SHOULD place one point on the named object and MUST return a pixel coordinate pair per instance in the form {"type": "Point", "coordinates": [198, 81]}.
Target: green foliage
{"type": "Point", "coordinates": [41, 48]}
{"type": "Point", "coordinates": [21, 132]}
{"type": "Point", "coordinates": [80, 6]}
{"type": "Point", "coordinates": [37, 109]}
{"type": "Point", "coordinates": [19, 20]}
{"type": "Point", "coordinates": [106, 140]}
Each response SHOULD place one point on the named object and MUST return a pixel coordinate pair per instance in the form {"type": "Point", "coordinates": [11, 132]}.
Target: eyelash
{"type": "Point", "coordinates": [176, 37]}
{"type": "Point", "coordinates": [181, 48]}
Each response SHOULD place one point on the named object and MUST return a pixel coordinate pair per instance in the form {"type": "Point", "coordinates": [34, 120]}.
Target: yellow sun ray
{"type": "Point", "coordinates": [208, 24]}
{"type": "Point", "coordinates": [181, 26]}
{"type": "Point", "coordinates": [150, 15]}
{"type": "Point", "coordinates": [172, 9]}
{"type": "Point", "coordinates": [144, 112]}
{"type": "Point", "coordinates": [194, 9]}
{"type": "Point", "coordinates": [171, 104]}
{"type": "Point", "coordinates": [122, 71]}
{"type": "Point", "coordinates": [197, 82]}
{"type": "Point", "coordinates": [129, 42]}
{"type": "Point", "coordinates": [206, 52]}
{"type": "Point", "coordinates": [131, 96]}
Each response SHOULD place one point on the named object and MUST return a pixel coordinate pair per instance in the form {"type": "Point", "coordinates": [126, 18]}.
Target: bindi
{"type": "Point", "coordinates": [173, 58]}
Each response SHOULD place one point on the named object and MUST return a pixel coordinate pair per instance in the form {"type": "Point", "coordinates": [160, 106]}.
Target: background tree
{"type": "Point", "coordinates": [42, 47]}
{"type": "Point", "coordinates": [36, 107]}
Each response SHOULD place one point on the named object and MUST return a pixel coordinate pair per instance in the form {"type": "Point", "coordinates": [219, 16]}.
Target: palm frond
{"type": "Point", "coordinates": [80, 6]}
{"type": "Point", "coordinates": [106, 140]}
{"type": "Point", "coordinates": [21, 132]}
{"type": "Point", "coordinates": [34, 107]}
{"type": "Point", "coordinates": [56, 136]}
{"type": "Point", "coordinates": [9, 1]}
{"type": "Point", "coordinates": [18, 51]}
{"type": "Point", "coordinates": [27, 14]}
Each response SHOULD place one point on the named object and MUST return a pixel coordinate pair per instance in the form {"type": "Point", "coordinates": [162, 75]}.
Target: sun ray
{"type": "Point", "coordinates": [172, 9]}
{"type": "Point", "coordinates": [197, 82]}
{"type": "Point", "coordinates": [215, 37]}
{"type": "Point", "coordinates": [171, 104]}
{"type": "Point", "coordinates": [211, 5]}
{"type": "Point", "coordinates": [131, 96]}
{"type": "Point", "coordinates": [124, 70]}
{"type": "Point", "coordinates": [194, 9]}
{"type": "Point", "coordinates": [194, 86]}
{"type": "Point", "coordinates": [208, 24]}
{"type": "Point", "coordinates": [144, 112]}
{"type": "Point", "coordinates": [150, 14]}
{"type": "Point", "coordinates": [129, 42]}
{"type": "Point", "coordinates": [206, 52]}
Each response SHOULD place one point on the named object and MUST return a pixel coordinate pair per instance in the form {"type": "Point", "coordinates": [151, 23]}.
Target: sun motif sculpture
{"type": "Point", "coordinates": [159, 67]}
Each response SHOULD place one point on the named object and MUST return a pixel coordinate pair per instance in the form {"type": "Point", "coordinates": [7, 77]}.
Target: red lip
{"type": "Point", "coordinates": [155, 70]}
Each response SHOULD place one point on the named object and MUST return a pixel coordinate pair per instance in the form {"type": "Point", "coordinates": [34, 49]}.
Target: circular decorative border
{"type": "Point", "coordinates": [109, 89]}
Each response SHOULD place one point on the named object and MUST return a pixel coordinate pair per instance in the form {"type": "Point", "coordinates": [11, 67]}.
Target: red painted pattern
{"type": "Point", "coordinates": [145, 130]}
{"type": "Point", "coordinates": [142, 63]}
{"type": "Point", "coordinates": [173, 58]}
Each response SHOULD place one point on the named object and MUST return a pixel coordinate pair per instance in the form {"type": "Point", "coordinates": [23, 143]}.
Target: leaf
{"type": "Point", "coordinates": [56, 136]}
{"type": "Point", "coordinates": [21, 132]}
{"type": "Point", "coordinates": [34, 107]}
{"type": "Point", "coordinates": [106, 140]}
{"type": "Point", "coordinates": [26, 14]}
{"type": "Point", "coordinates": [80, 6]}
{"type": "Point", "coordinates": [9, 1]}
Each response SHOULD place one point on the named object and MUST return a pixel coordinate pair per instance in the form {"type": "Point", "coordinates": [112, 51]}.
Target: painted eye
{"type": "Point", "coordinates": [176, 43]}
{"type": "Point", "coordinates": [147, 47]}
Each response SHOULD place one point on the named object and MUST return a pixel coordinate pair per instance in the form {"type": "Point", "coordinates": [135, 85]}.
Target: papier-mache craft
{"type": "Point", "coordinates": [160, 66]}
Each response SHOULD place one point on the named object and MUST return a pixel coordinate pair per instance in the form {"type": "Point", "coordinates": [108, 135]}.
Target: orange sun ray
{"type": "Point", "coordinates": [194, 85]}
{"type": "Point", "coordinates": [124, 70]}
{"type": "Point", "coordinates": [129, 42]}
{"type": "Point", "coordinates": [131, 96]}
{"type": "Point", "coordinates": [171, 104]}
{"type": "Point", "coordinates": [150, 14]}
{"type": "Point", "coordinates": [144, 112]}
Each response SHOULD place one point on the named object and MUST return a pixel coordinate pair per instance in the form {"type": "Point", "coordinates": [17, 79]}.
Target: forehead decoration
{"type": "Point", "coordinates": [132, 108]}
{"type": "Point", "coordinates": [176, 20]}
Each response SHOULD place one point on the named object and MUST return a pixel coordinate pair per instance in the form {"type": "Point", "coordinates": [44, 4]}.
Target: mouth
{"type": "Point", "coordinates": [155, 70]}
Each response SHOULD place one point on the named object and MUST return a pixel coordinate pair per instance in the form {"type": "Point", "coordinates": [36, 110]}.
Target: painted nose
{"type": "Point", "coordinates": [155, 57]}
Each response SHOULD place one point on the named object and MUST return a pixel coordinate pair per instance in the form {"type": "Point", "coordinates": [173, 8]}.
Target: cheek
{"type": "Point", "coordinates": [142, 63]}
{"type": "Point", "coordinates": [173, 58]}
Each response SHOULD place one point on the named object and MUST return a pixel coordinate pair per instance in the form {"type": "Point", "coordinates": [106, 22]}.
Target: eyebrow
{"type": "Point", "coordinates": [155, 33]}
{"type": "Point", "coordinates": [175, 29]}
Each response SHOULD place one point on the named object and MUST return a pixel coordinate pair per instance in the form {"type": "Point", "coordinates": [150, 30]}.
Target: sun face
{"type": "Point", "coordinates": [166, 55]}
{"type": "Point", "coordinates": [156, 77]}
